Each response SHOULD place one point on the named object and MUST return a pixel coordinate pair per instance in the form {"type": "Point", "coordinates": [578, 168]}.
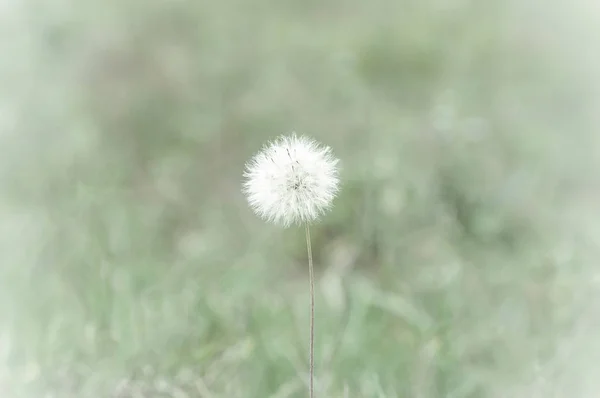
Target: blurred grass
{"type": "Point", "coordinates": [458, 260]}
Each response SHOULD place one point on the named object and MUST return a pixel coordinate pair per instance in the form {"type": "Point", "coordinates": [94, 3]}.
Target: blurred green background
{"type": "Point", "coordinates": [460, 259]}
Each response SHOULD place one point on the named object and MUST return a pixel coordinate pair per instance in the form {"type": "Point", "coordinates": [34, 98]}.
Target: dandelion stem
{"type": "Point", "coordinates": [311, 353]}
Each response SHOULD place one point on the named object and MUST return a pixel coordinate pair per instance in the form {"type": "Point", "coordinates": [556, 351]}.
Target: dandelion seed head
{"type": "Point", "coordinates": [292, 180]}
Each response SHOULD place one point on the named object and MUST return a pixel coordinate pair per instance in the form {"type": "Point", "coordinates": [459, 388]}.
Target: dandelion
{"type": "Point", "coordinates": [293, 180]}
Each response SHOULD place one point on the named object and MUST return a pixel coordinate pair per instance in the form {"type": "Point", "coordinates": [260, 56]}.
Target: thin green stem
{"type": "Point", "coordinates": [311, 353]}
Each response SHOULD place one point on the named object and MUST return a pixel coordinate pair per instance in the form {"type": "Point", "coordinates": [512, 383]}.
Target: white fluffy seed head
{"type": "Point", "coordinates": [292, 180]}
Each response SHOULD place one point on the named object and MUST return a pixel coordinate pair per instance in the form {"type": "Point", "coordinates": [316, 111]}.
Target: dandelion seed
{"type": "Point", "coordinates": [292, 180]}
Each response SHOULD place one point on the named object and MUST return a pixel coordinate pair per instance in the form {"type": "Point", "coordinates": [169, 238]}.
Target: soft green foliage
{"type": "Point", "coordinates": [458, 261]}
